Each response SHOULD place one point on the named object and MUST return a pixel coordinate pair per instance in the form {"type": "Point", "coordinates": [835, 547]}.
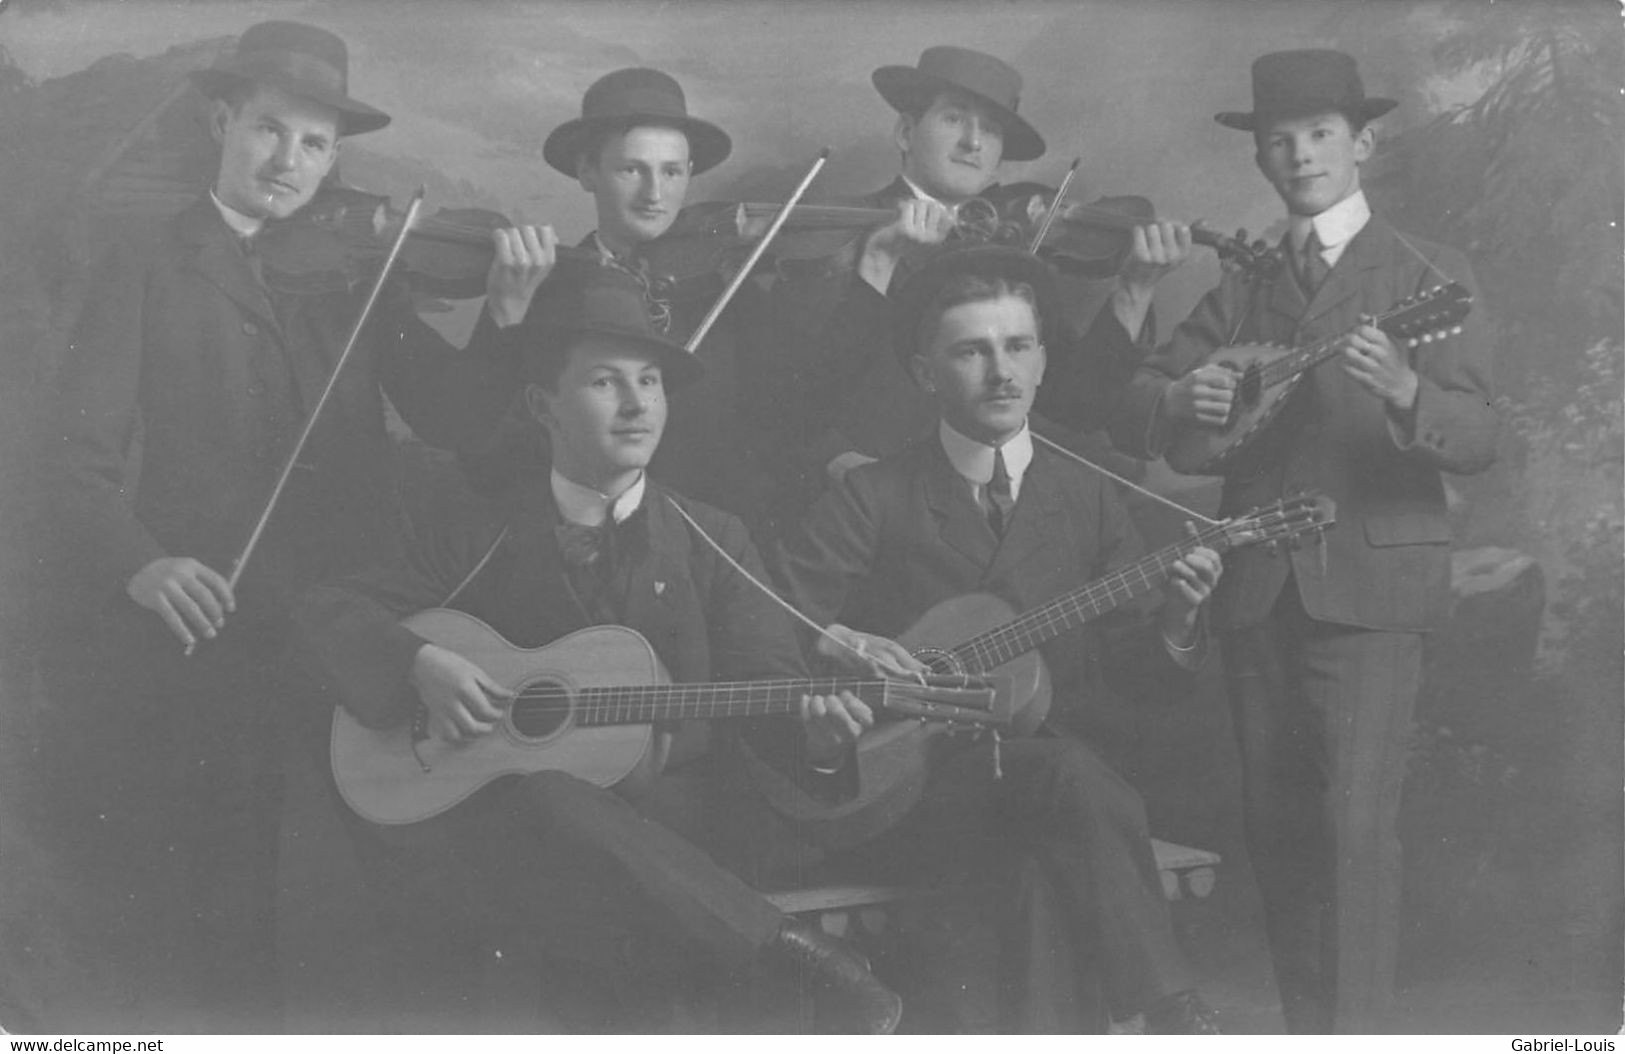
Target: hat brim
{"type": "Point", "coordinates": [678, 368]}
{"type": "Point", "coordinates": [708, 145]}
{"type": "Point", "coordinates": [355, 117]}
{"type": "Point", "coordinates": [1002, 261]}
{"type": "Point", "coordinates": [1368, 109]}
{"type": "Point", "coordinates": [910, 91]}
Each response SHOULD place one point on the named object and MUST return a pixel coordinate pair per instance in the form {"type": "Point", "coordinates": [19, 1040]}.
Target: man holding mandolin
{"type": "Point", "coordinates": [1323, 644]}
{"type": "Point", "coordinates": [180, 396]}
{"type": "Point", "coordinates": [980, 506]}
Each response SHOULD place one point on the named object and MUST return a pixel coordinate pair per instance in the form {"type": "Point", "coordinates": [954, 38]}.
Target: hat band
{"type": "Point", "coordinates": [638, 103]}
{"type": "Point", "coordinates": [295, 66]}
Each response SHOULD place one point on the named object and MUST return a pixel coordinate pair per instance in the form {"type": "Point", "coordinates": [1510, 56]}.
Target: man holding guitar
{"type": "Point", "coordinates": [589, 541]}
{"type": "Point", "coordinates": [1323, 644]}
{"type": "Point", "coordinates": [979, 506]}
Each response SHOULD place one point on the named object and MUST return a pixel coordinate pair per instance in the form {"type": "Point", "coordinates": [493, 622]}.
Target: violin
{"type": "Point", "coordinates": [341, 238]}
{"type": "Point", "coordinates": [1093, 238]}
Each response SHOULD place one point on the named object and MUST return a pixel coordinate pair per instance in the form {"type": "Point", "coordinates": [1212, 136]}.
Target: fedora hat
{"type": "Point", "coordinates": [983, 261]}
{"type": "Point", "coordinates": [583, 298]}
{"type": "Point", "coordinates": [1302, 84]}
{"type": "Point", "coordinates": [302, 60]}
{"type": "Point", "coordinates": [626, 99]}
{"type": "Point", "coordinates": [910, 90]}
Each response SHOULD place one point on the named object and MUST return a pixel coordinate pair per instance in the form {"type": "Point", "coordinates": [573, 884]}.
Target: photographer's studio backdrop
{"type": "Point", "coordinates": [1507, 144]}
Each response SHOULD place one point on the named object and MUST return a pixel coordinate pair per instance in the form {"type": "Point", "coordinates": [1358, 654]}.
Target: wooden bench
{"type": "Point", "coordinates": [845, 907]}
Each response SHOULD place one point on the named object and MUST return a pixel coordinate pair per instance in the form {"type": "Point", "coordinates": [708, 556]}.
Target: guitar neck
{"type": "Point", "coordinates": [1070, 610]}
{"type": "Point", "coordinates": [643, 704]}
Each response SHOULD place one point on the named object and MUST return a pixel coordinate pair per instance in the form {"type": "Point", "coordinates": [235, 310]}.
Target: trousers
{"type": "Point", "coordinates": [1322, 714]}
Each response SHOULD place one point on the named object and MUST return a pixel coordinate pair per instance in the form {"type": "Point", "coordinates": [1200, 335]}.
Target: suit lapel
{"type": "Point", "coordinates": [1285, 296]}
{"type": "Point", "coordinates": [538, 563]}
{"type": "Point", "coordinates": [221, 261]}
{"type": "Point", "coordinates": [1346, 280]}
{"type": "Point", "coordinates": [643, 579]}
{"type": "Point", "coordinates": [961, 524]}
{"type": "Point", "coordinates": [1034, 520]}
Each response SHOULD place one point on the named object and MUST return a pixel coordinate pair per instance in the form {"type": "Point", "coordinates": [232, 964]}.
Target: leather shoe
{"type": "Point", "coordinates": [867, 1006]}
{"type": "Point", "coordinates": [1182, 1014]}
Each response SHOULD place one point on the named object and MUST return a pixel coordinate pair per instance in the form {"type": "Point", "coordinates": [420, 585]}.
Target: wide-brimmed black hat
{"type": "Point", "coordinates": [1302, 84]}
{"type": "Point", "coordinates": [627, 99]}
{"type": "Point", "coordinates": [910, 90]}
{"type": "Point", "coordinates": [984, 261]}
{"type": "Point", "coordinates": [305, 61]}
{"type": "Point", "coordinates": [582, 297]}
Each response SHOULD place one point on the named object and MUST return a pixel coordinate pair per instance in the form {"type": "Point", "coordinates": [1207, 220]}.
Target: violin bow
{"type": "Point", "coordinates": [1054, 207]}
{"type": "Point", "coordinates": [254, 536]}
{"type": "Point", "coordinates": [756, 252]}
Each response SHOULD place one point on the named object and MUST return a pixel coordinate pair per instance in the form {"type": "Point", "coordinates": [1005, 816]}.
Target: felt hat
{"type": "Point", "coordinates": [302, 60]}
{"type": "Point", "coordinates": [581, 298]}
{"type": "Point", "coordinates": [629, 98]}
{"type": "Point", "coordinates": [910, 89]}
{"type": "Point", "coordinates": [984, 261]}
{"type": "Point", "coordinates": [1302, 84]}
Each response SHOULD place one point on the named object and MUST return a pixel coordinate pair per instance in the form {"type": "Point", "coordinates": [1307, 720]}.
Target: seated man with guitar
{"type": "Point", "coordinates": [440, 710]}
{"type": "Point", "coordinates": [981, 507]}
{"type": "Point", "coordinates": [1323, 645]}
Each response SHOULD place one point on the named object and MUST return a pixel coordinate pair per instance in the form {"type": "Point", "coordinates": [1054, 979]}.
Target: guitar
{"type": "Point", "coordinates": [978, 634]}
{"type": "Point", "coordinates": [585, 704]}
{"type": "Point", "coordinates": [1268, 373]}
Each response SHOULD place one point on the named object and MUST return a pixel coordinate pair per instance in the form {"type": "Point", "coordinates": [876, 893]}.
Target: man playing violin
{"type": "Point", "coordinates": [635, 149]}
{"type": "Point", "coordinates": [979, 506]}
{"type": "Point", "coordinates": [177, 402]}
{"type": "Point", "coordinates": [1323, 644]}
{"type": "Point", "coordinates": [842, 399]}
{"type": "Point", "coordinates": [559, 866]}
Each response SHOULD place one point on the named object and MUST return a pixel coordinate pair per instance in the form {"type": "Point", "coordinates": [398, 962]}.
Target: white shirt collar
{"type": "Point", "coordinates": [583, 505]}
{"type": "Point", "coordinates": [1335, 226]}
{"type": "Point", "coordinates": [974, 460]}
{"type": "Point", "coordinates": [241, 225]}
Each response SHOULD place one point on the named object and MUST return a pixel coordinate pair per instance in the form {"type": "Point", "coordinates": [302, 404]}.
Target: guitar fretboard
{"type": "Point", "coordinates": [544, 704]}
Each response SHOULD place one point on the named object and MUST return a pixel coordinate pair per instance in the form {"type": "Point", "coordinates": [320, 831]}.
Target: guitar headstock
{"type": "Point", "coordinates": [1281, 521]}
{"type": "Point", "coordinates": [1433, 314]}
{"type": "Point", "coordinates": [974, 701]}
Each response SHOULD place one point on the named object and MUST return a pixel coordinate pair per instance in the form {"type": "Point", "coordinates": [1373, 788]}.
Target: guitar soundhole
{"type": "Point", "coordinates": [541, 709]}
{"type": "Point", "coordinates": [941, 662]}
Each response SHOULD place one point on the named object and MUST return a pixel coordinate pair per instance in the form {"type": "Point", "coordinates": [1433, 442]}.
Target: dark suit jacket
{"type": "Point", "coordinates": [905, 533]}
{"type": "Point", "coordinates": [185, 356]}
{"type": "Point", "coordinates": [501, 563]}
{"type": "Point", "coordinates": [822, 378]}
{"type": "Point", "coordinates": [1386, 565]}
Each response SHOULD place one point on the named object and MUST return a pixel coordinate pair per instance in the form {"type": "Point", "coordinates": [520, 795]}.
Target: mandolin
{"type": "Point", "coordinates": [1267, 374]}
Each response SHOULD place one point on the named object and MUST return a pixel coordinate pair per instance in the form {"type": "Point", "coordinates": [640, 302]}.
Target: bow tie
{"type": "Point", "coordinates": [584, 546]}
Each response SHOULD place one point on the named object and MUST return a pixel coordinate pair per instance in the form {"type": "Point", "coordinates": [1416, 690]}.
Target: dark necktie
{"type": "Point", "coordinates": [1311, 265]}
{"type": "Point", "coordinates": [999, 499]}
{"type": "Point", "coordinates": [583, 546]}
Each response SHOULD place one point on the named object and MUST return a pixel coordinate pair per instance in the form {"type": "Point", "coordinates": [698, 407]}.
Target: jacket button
{"type": "Point", "coordinates": [256, 389]}
{"type": "Point", "coordinates": [250, 329]}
